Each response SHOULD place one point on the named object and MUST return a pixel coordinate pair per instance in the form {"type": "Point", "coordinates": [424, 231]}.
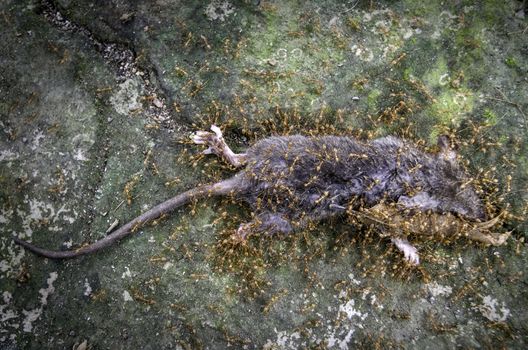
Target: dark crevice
{"type": "Point", "coordinates": [98, 168]}
{"type": "Point", "coordinates": [119, 56]}
{"type": "Point", "coordinates": [123, 59]}
{"type": "Point", "coordinates": [170, 94]}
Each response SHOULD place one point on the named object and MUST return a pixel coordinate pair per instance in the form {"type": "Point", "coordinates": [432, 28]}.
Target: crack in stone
{"type": "Point", "coordinates": [115, 54]}
{"type": "Point", "coordinates": [124, 61]}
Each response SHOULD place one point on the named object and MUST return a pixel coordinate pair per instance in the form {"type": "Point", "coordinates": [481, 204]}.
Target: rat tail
{"type": "Point", "coordinates": [218, 189]}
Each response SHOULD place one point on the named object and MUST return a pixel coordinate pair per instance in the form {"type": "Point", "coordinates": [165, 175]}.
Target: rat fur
{"type": "Point", "coordinates": [289, 181]}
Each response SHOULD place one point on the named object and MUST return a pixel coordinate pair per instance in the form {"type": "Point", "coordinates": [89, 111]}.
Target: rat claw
{"type": "Point", "coordinates": [243, 231]}
{"type": "Point", "coordinates": [216, 144]}
{"type": "Point", "coordinates": [217, 131]}
{"type": "Point", "coordinates": [240, 235]}
{"type": "Point", "coordinates": [197, 140]}
{"type": "Point", "coordinates": [411, 256]}
{"type": "Point", "coordinates": [410, 252]}
{"type": "Point", "coordinates": [200, 137]}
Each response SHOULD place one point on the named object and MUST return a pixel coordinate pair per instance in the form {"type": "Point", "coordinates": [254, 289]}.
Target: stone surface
{"type": "Point", "coordinates": [97, 102]}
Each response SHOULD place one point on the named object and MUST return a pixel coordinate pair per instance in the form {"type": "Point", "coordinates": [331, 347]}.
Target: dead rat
{"type": "Point", "coordinates": [290, 181]}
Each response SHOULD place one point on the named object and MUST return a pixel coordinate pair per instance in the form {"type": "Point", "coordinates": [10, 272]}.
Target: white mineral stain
{"type": "Point", "coordinates": [127, 273]}
{"type": "Point", "coordinates": [349, 310]}
{"type": "Point", "coordinates": [5, 216]}
{"type": "Point", "coordinates": [283, 341]}
{"type": "Point", "coordinates": [13, 259]}
{"type": "Point", "coordinates": [79, 155]}
{"type": "Point", "coordinates": [219, 10]}
{"type": "Point", "coordinates": [7, 155]}
{"type": "Point", "coordinates": [492, 310]}
{"type": "Point", "coordinates": [126, 296]}
{"type": "Point", "coordinates": [126, 99]}
{"type": "Point", "coordinates": [33, 315]}
{"type": "Point", "coordinates": [332, 341]}
{"type": "Point", "coordinates": [363, 53]}
{"type": "Point", "coordinates": [436, 289]}
{"type": "Point", "coordinates": [40, 211]}
{"type": "Point", "coordinates": [37, 137]}
{"type": "Point", "coordinates": [6, 314]}
{"type": "Point", "coordinates": [343, 344]}
{"type": "Point", "coordinates": [87, 288]}
{"type": "Point", "coordinates": [353, 279]}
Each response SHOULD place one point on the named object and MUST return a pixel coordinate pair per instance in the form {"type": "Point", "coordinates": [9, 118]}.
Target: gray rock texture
{"type": "Point", "coordinates": [97, 100]}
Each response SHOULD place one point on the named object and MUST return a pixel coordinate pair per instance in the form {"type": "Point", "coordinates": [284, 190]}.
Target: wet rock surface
{"type": "Point", "coordinates": [98, 100]}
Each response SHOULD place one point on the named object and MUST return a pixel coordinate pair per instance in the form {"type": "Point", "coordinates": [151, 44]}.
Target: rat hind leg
{"type": "Point", "coordinates": [217, 145]}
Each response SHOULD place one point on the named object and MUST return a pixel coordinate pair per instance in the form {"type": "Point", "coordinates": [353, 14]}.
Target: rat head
{"type": "Point", "coordinates": [452, 188]}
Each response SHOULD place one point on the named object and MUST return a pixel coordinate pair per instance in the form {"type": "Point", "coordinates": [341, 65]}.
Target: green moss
{"type": "Point", "coordinates": [433, 135]}
{"type": "Point", "coordinates": [436, 76]}
{"type": "Point", "coordinates": [407, 73]}
{"type": "Point", "coordinates": [503, 139]}
{"type": "Point", "coordinates": [490, 116]}
{"type": "Point", "coordinates": [421, 8]}
{"type": "Point", "coordinates": [452, 102]}
{"type": "Point", "coordinates": [494, 12]}
{"type": "Point", "coordinates": [511, 62]}
{"type": "Point", "coordinates": [450, 107]}
{"type": "Point", "coordinates": [354, 23]}
{"type": "Point", "coordinates": [470, 42]}
{"type": "Point", "coordinates": [284, 63]}
{"type": "Point", "coordinates": [372, 99]}
{"type": "Point", "coordinates": [311, 24]}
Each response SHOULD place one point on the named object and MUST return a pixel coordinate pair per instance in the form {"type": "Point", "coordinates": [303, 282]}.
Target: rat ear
{"type": "Point", "coordinates": [447, 151]}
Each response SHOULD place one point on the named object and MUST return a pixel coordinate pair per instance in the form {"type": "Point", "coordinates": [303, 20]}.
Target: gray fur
{"type": "Point", "coordinates": [295, 179]}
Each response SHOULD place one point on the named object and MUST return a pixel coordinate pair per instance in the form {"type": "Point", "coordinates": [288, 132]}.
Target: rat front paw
{"type": "Point", "coordinates": [213, 140]}
{"type": "Point", "coordinates": [408, 250]}
{"type": "Point", "coordinates": [411, 255]}
{"type": "Point", "coordinates": [202, 137]}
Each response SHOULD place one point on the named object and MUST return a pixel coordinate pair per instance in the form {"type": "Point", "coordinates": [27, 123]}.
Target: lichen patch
{"type": "Point", "coordinates": [493, 310]}
{"type": "Point", "coordinates": [33, 315]}
{"type": "Point", "coordinates": [219, 10]}
{"type": "Point", "coordinates": [436, 289]}
{"type": "Point", "coordinates": [126, 99]}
